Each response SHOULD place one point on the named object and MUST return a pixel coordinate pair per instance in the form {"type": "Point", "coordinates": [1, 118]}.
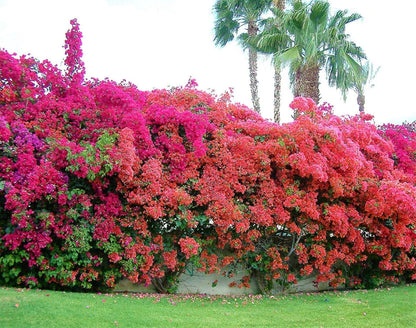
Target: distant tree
{"type": "Point", "coordinates": [241, 18]}
{"type": "Point", "coordinates": [368, 75]}
{"type": "Point", "coordinates": [346, 79]}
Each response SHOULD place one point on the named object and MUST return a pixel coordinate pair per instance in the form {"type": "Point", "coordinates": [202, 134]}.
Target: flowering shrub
{"type": "Point", "coordinates": [100, 181]}
{"type": "Point", "coordinates": [404, 139]}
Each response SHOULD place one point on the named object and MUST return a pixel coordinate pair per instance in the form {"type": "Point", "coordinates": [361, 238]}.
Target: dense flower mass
{"type": "Point", "coordinates": [100, 181]}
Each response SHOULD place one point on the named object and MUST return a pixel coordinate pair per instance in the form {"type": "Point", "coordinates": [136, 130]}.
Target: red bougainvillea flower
{"type": "Point", "coordinates": [189, 246]}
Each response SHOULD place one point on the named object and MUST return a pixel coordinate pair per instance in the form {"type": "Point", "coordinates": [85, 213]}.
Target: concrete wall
{"type": "Point", "coordinates": [126, 285]}
{"type": "Point", "coordinates": [194, 282]}
{"type": "Point", "coordinates": [200, 283]}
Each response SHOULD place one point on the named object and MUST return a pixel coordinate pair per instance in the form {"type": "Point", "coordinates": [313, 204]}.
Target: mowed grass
{"type": "Point", "coordinates": [391, 307]}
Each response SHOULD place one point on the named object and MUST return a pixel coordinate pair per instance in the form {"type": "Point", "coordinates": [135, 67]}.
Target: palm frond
{"type": "Point", "coordinates": [272, 40]}
{"type": "Point", "coordinates": [225, 29]}
{"type": "Point", "coordinates": [351, 18]}
{"type": "Point", "coordinates": [225, 24]}
{"type": "Point", "coordinates": [232, 15]}
{"type": "Point", "coordinates": [291, 55]}
{"type": "Point", "coordinates": [319, 13]}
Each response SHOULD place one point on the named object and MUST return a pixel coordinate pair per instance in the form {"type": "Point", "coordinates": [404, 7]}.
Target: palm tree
{"type": "Point", "coordinates": [310, 40]}
{"type": "Point", "coordinates": [232, 16]}
{"type": "Point", "coordinates": [368, 75]}
{"type": "Point", "coordinates": [345, 80]}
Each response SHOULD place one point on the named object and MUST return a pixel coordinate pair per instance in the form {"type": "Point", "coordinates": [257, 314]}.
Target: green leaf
{"type": "Point", "coordinates": [290, 55]}
{"type": "Point", "coordinates": [182, 208]}
{"type": "Point", "coordinates": [202, 219]}
{"type": "Point", "coordinates": [354, 65]}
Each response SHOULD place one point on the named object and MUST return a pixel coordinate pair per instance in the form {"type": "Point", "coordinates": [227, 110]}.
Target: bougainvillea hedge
{"type": "Point", "coordinates": [100, 181]}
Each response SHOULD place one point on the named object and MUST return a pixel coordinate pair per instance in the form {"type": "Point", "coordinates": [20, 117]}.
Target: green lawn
{"type": "Point", "coordinates": [387, 308]}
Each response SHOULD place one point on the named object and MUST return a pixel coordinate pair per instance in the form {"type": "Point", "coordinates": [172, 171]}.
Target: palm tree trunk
{"type": "Point", "coordinates": [276, 93]}
{"type": "Point", "coordinates": [280, 4]}
{"type": "Point", "coordinates": [307, 83]}
{"type": "Point", "coordinates": [252, 64]}
{"type": "Point", "coordinates": [361, 101]}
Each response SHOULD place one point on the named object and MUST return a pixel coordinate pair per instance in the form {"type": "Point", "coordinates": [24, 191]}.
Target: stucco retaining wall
{"type": "Point", "coordinates": [195, 282]}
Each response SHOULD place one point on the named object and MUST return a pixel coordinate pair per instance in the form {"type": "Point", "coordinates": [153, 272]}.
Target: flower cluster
{"type": "Point", "coordinates": [99, 181]}
{"type": "Point", "coordinates": [189, 246]}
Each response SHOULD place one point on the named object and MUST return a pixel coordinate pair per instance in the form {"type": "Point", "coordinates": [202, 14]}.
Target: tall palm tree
{"type": "Point", "coordinates": [233, 16]}
{"type": "Point", "coordinates": [314, 41]}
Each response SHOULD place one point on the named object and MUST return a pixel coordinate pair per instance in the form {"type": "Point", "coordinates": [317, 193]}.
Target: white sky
{"type": "Point", "coordinates": [161, 43]}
